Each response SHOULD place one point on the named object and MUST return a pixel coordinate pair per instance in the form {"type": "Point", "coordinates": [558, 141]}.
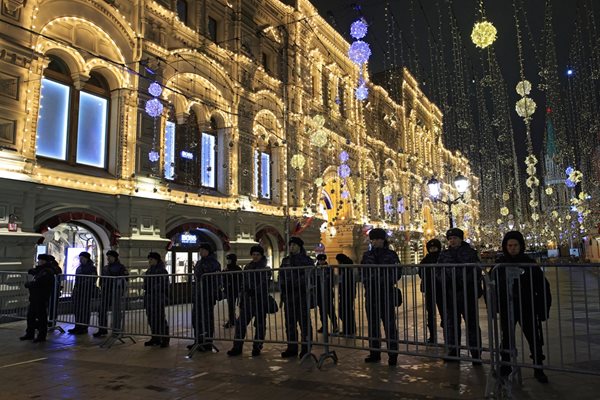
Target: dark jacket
{"type": "Point", "coordinates": [427, 275]}
{"type": "Point", "coordinates": [531, 290]}
{"type": "Point", "coordinates": [255, 285]}
{"type": "Point", "coordinates": [40, 287]}
{"type": "Point", "coordinates": [113, 270]}
{"type": "Point", "coordinates": [470, 277]}
{"type": "Point", "coordinates": [155, 285]}
{"type": "Point", "coordinates": [211, 286]}
{"type": "Point", "coordinates": [295, 284]}
{"type": "Point", "coordinates": [84, 283]}
{"type": "Point", "coordinates": [378, 276]}
{"type": "Point", "coordinates": [232, 282]}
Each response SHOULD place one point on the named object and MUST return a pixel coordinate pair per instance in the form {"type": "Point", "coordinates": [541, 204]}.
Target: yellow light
{"type": "Point", "coordinates": [484, 34]}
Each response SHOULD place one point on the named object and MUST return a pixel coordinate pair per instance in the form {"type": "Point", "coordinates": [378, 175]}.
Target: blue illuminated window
{"type": "Point", "coordinates": [91, 130]}
{"type": "Point", "coordinates": [265, 175]}
{"type": "Point", "coordinates": [256, 171]}
{"type": "Point", "coordinates": [208, 160]}
{"type": "Point", "coordinates": [53, 120]}
{"type": "Point", "coordinates": [170, 150]}
{"type": "Point", "coordinates": [79, 137]}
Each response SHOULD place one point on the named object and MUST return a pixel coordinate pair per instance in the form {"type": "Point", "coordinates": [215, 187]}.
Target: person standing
{"type": "Point", "coordinates": [156, 296]}
{"type": "Point", "coordinates": [232, 288]}
{"type": "Point", "coordinates": [254, 301]}
{"type": "Point", "coordinates": [205, 297]}
{"type": "Point", "coordinates": [379, 275]}
{"type": "Point", "coordinates": [432, 292]}
{"type": "Point", "coordinates": [84, 290]}
{"type": "Point", "coordinates": [295, 296]}
{"type": "Point", "coordinates": [53, 302]}
{"type": "Point", "coordinates": [346, 295]}
{"type": "Point", "coordinates": [325, 294]}
{"type": "Point", "coordinates": [112, 288]}
{"type": "Point", "coordinates": [40, 291]}
{"type": "Point", "coordinates": [463, 286]}
{"type": "Point", "coordinates": [531, 300]}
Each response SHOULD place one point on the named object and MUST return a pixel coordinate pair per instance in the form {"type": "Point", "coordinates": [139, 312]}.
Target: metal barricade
{"type": "Point", "coordinates": [14, 296]}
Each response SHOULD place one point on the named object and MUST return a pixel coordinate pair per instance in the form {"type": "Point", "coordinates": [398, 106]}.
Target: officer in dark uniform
{"type": "Point", "coordinates": [347, 295]}
{"type": "Point", "coordinates": [231, 287]}
{"type": "Point", "coordinates": [294, 295]}
{"type": "Point", "coordinates": [463, 288]}
{"type": "Point", "coordinates": [205, 297]}
{"type": "Point", "coordinates": [112, 290]}
{"type": "Point", "coordinates": [40, 290]}
{"type": "Point", "coordinates": [325, 293]}
{"type": "Point", "coordinates": [380, 295]}
{"type": "Point", "coordinates": [53, 303]}
{"type": "Point", "coordinates": [156, 296]}
{"type": "Point", "coordinates": [432, 291]}
{"type": "Point", "coordinates": [254, 301]}
{"type": "Point", "coordinates": [84, 290]}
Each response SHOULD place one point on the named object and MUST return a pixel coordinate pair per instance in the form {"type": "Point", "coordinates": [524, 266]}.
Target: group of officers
{"type": "Point", "coordinates": [452, 289]}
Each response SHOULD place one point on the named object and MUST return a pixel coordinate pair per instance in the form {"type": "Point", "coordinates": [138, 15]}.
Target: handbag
{"type": "Point", "coordinates": [272, 306]}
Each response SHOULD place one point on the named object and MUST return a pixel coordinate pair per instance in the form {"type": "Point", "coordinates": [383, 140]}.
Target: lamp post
{"type": "Point", "coordinates": [461, 183]}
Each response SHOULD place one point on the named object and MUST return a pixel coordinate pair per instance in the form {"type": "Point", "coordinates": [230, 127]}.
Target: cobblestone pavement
{"type": "Point", "coordinates": [68, 367]}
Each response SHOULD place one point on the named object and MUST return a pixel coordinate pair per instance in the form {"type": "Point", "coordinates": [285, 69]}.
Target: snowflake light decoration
{"type": "Point", "coordinates": [298, 161]}
{"type": "Point", "coordinates": [344, 171]}
{"type": "Point", "coordinates": [154, 108]}
{"type": "Point", "coordinates": [153, 156]}
{"type": "Point", "coordinates": [359, 52]}
{"type": "Point", "coordinates": [319, 138]}
{"type": "Point", "coordinates": [523, 88]}
{"type": "Point", "coordinates": [358, 29]}
{"type": "Point", "coordinates": [525, 107]}
{"type": "Point", "coordinates": [361, 92]}
{"type": "Point", "coordinates": [483, 34]}
{"type": "Point", "coordinates": [155, 89]}
{"type": "Point", "coordinates": [344, 157]}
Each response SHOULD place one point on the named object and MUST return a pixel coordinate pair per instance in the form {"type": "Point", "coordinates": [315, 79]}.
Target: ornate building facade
{"type": "Point", "coordinates": [159, 125]}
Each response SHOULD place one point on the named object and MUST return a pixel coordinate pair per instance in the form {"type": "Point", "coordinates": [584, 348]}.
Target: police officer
{"type": "Point", "coordinates": [295, 295]}
{"type": "Point", "coordinates": [84, 290]}
{"type": "Point", "coordinates": [156, 295]}
{"type": "Point", "coordinates": [231, 288]}
{"type": "Point", "coordinates": [254, 300]}
{"type": "Point", "coordinates": [53, 303]}
{"type": "Point", "coordinates": [325, 293]}
{"type": "Point", "coordinates": [112, 290]}
{"type": "Point", "coordinates": [205, 297]}
{"type": "Point", "coordinates": [40, 291]}
{"type": "Point", "coordinates": [380, 295]}
{"type": "Point", "coordinates": [463, 286]}
{"type": "Point", "coordinates": [347, 295]}
{"type": "Point", "coordinates": [432, 291]}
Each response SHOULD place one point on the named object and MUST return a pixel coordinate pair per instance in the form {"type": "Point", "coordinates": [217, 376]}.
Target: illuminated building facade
{"type": "Point", "coordinates": [94, 156]}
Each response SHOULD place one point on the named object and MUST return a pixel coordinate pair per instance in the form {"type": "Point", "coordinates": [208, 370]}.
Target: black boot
{"type": "Point", "coordinates": [373, 357]}
{"type": "Point", "coordinates": [540, 376]}
{"type": "Point", "coordinates": [27, 336]}
{"type": "Point", "coordinates": [164, 342]}
{"type": "Point", "coordinates": [154, 341]}
{"type": "Point", "coordinates": [393, 359]}
{"type": "Point", "coordinates": [289, 352]}
{"type": "Point", "coordinates": [236, 350]}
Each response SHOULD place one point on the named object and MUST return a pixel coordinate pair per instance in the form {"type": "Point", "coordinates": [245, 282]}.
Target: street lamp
{"type": "Point", "coordinates": [461, 183]}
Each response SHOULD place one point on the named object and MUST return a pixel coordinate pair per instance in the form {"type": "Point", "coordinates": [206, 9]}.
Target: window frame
{"type": "Point", "coordinates": [73, 107]}
{"type": "Point", "coordinates": [258, 172]}
{"type": "Point", "coordinates": [214, 134]}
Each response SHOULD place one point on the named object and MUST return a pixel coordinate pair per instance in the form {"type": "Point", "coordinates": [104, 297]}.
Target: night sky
{"type": "Point", "coordinates": [341, 13]}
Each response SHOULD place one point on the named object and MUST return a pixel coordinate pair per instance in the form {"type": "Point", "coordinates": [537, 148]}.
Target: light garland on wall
{"type": "Point", "coordinates": [359, 53]}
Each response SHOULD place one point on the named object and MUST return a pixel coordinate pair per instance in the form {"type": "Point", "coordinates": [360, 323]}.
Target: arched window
{"type": "Point", "coordinates": [73, 124]}
{"type": "Point", "coordinates": [208, 156]}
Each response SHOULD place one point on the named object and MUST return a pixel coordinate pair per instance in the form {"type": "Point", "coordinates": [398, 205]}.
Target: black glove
{"type": "Point", "coordinates": [31, 271]}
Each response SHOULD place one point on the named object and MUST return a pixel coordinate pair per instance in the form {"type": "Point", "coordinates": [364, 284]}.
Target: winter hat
{"type": "Point", "coordinates": [257, 249]}
{"type": "Point", "coordinates": [45, 257]}
{"type": "Point", "coordinates": [518, 236]}
{"type": "Point", "coordinates": [377, 233]}
{"type": "Point", "coordinates": [112, 253]}
{"type": "Point", "coordinates": [206, 247]}
{"type": "Point", "coordinates": [433, 243]}
{"type": "Point", "coordinates": [297, 240]}
{"type": "Point", "coordinates": [343, 259]}
{"type": "Point", "coordinates": [85, 254]}
{"type": "Point", "coordinates": [455, 232]}
{"type": "Point", "coordinates": [321, 257]}
{"type": "Point", "coordinates": [154, 255]}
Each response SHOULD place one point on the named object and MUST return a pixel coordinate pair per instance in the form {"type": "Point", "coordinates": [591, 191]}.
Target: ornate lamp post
{"type": "Point", "coordinates": [461, 183]}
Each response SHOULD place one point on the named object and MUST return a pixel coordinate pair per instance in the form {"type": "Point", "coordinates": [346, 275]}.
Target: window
{"type": "Point", "coordinates": [182, 11]}
{"type": "Point", "coordinates": [325, 88]}
{"type": "Point", "coordinates": [340, 98]}
{"type": "Point", "coordinates": [170, 150]}
{"type": "Point", "coordinates": [262, 174]}
{"type": "Point", "coordinates": [73, 124]}
{"type": "Point", "coordinates": [266, 62]}
{"type": "Point", "coordinates": [208, 160]}
{"type": "Point", "coordinates": [211, 29]}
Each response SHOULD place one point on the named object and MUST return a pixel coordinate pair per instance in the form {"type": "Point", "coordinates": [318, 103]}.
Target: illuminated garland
{"type": "Point", "coordinates": [359, 53]}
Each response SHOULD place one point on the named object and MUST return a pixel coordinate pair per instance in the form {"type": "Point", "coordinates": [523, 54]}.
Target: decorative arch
{"type": "Point", "coordinates": [222, 236]}
{"type": "Point", "coordinates": [189, 61]}
{"type": "Point", "coordinates": [114, 77]}
{"type": "Point", "coordinates": [53, 221]}
{"type": "Point", "coordinates": [273, 232]}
